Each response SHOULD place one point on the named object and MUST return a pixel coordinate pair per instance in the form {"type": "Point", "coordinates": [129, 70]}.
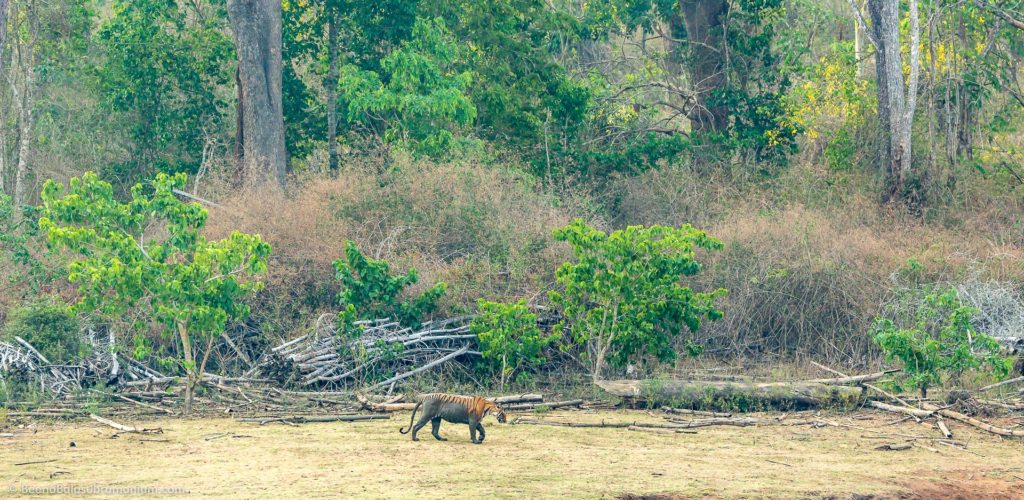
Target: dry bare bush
{"type": "Point", "coordinates": [484, 229]}
{"type": "Point", "coordinates": [809, 261]}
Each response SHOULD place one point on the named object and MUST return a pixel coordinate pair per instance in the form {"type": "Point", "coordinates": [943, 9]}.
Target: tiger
{"type": "Point", "coordinates": [455, 409]}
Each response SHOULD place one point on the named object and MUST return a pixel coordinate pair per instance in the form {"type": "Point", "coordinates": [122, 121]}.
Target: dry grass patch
{"type": "Point", "coordinates": [221, 457]}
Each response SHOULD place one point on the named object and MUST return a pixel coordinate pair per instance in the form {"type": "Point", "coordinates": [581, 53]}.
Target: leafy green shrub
{"type": "Point", "coordinates": [509, 338]}
{"type": "Point", "coordinates": [148, 256]}
{"type": "Point", "coordinates": [419, 98]}
{"type": "Point", "coordinates": [369, 291]}
{"type": "Point", "coordinates": [22, 263]}
{"type": "Point", "coordinates": [50, 327]}
{"type": "Point", "coordinates": [941, 343]}
{"type": "Point", "coordinates": [622, 295]}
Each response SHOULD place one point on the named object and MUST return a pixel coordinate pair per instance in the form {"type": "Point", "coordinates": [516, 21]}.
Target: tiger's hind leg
{"type": "Point", "coordinates": [435, 426]}
{"type": "Point", "coordinates": [419, 425]}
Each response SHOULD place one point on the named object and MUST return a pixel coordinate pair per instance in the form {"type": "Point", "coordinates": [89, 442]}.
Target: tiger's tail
{"type": "Point", "coordinates": [403, 430]}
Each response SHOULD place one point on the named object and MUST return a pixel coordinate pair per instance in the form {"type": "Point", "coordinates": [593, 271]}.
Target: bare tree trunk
{"type": "Point", "coordinates": [257, 28]}
{"type": "Point", "coordinates": [4, 9]}
{"type": "Point", "coordinates": [705, 32]}
{"type": "Point", "coordinates": [190, 361]}
{"type": "Point", "coordinates": [24, 54]}
{"type": "Point", "coordinates": [25, 119]}
{"type": "Point", "coordinates": [332, 89]}
{"type": "Point", "coordinates": [895, 106]}
{"type": "Point", "coordinates": [858, 49]}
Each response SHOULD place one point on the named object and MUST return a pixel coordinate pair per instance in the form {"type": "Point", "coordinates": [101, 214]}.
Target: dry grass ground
{"type": "Point", "coordinates": [226, 458]}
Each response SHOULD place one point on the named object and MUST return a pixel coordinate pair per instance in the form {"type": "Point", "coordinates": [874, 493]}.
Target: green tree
{"type": "Point", "coordinates": [368, 290]}
{"type": "Point", "coordinates": [162, 68]}
{"type": "Point", "coordinates": [149, 254]}
{"type": "Point", "coordinates": [509, 338]}
{"type": "Point", "coordinates": [418, 100]}
{"type": "Point", "coordinates": [622, 296]}
{"type": "Point", "coordinates": [940, 343]}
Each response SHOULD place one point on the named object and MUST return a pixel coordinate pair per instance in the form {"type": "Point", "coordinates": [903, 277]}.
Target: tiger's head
{"type": "Point", "coordinates": [494, 409]}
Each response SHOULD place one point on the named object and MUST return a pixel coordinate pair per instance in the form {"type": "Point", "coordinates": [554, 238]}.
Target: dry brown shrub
{"type": "Point", "coordinates": [811, 257]}
{"type": "Point", "coordinates": [483, 229]}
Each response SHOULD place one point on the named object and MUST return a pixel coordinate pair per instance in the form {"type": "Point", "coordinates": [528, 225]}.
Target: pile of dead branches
{"type": "Point", "coordinates": [327, 358]}
{"type": "Point", "coordinates": [21, 360]}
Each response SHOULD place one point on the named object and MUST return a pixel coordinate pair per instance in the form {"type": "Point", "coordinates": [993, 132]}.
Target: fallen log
{"type": "Point", "coordinates": [149, 382]}
{"type": "Point", "coordinates": [616, 425]}
{"type": "Point", "coordinates": [549, 406]}
{"type": "Point", "coordinates": [895, 447]}
{"type": "Point", "coordinates": [305, 419]}
{"type": "Point", "coordinates": [738, 422]}
{"type": "Point", "coordinates": [520, 398]}
{"type": "Point", "coordinates": [683, 411]}
{"type": "Point", "coordinates": [901, 409]}
{"type": "Point", "coordinates": [850, 380]}
{"type": "Point", "coordinates": [675, 427]}
{"type": "Point", "coordinates": [659, 430]}
{"type": "Point", "coordinates": [384, 407]}
{"type": "Point", "coordinates": [698, 392]}
{"type": "Point", "coordinates": [122, 427]}
{"type": "Point", "coordinates": [973, 421]}
{"type": "Point", "coordinates": [140, 403]}
{"type": "Point", "coordinates": [865, 384]}
{"type": "Point", "coordinates": [1000, 384]}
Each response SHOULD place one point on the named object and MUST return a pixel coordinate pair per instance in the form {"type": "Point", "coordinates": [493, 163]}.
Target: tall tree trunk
{"type": "Point", "coordinates": [24, 55]}
{"type": "Point", "coordinates": [257, 28]}
{"type": "Point", "coordinates": [895, 106]}
{"type": "Point", "coordinates": [705, 33]}
{"type": "Point", "coordinates": [25, 122]}
{"type": "Point", "coordinates": [332, 89]}
{"type": "Point", "coordinates": [858, 49]}
{"type": "Point", "coordinates": [4, 9]}
{"type": "Point", "coordinates": [190, 368]}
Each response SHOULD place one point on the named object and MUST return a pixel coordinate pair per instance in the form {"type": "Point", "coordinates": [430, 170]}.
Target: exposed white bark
{"type": "Point", "coordinates": [23, 90]}
{"type": "Point", "coordinates": [897, 99]}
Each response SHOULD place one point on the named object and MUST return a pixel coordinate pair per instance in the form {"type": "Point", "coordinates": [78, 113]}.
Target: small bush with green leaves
{"type": "Point", "coordinates": [51, 328]}
{"type": "Point", "coordinates": [368, 290]}
{"type": "Point", "coordinates": [148, 256]}
{"type": "Point", "coordinates": [939, 344]}
{"type": "Point", "coordinates": [623, 297]}
{"type": "Point", "coordinates": [509, 338]}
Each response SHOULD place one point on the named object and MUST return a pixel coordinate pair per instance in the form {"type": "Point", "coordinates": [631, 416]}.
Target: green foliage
{"type": "Point", "coordinates": [623, 295]}
{"type": "Point", "coordinates": [418, 99]}
{"type": "Point", "coordinates": [509, 338]}
{"type": "Point", "coordinates": [757, 86]}
{"type": "Point", "coordinates": [369, 291]}
{"type": "Point", "coordinates": [521, 93]}
{"type": "Point", "coordinates": [148, 255]}
{"type": "Point", "coordinates": [19, 255]}
{"type": "Point", "coordinates": [160, 77]}
{"type": "Point", "coordinates": [941, 343]}
{"type": "Point", "coordinates": [831, 105]}
{"type": "Point", "coordinates": [50, 327]}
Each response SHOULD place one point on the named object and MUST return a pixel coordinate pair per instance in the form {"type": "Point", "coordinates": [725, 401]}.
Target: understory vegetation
{"type": "Point", "coordinates": [594, 186]}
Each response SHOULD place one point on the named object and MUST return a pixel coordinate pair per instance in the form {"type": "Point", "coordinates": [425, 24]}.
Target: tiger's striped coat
{"type": "Point", "coordinates": [455, 409]}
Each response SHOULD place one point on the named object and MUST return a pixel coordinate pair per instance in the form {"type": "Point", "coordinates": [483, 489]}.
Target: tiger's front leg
{"type": "Point", "coordinates": [480, 429]}
{"type": "Point", "coordinates": [473, 425]}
